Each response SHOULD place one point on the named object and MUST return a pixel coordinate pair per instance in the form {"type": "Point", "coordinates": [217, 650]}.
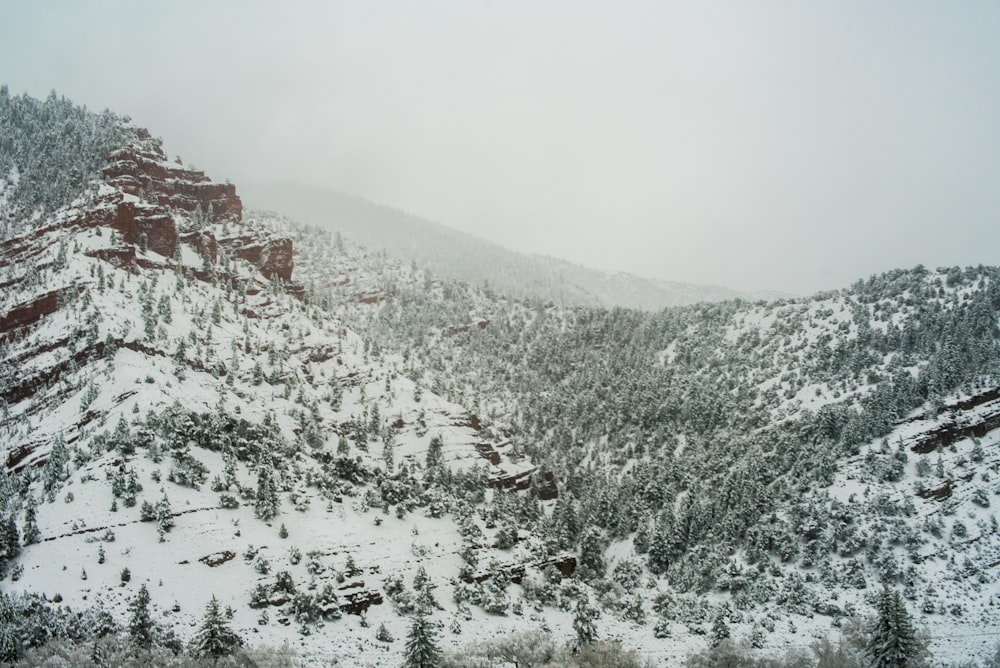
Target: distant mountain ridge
{"type": "Point", "coordinates": [453, 254]}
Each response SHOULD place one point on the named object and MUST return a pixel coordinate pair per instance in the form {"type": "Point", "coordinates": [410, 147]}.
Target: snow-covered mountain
{"type": "Point", "coordinates": [333, 442]}
{"type": "Point", "coordinates": [776, 464]}
{"type": "Point", "coordinates": [456, 255]}
{"type": "Point", "coordinates": [171, 407]}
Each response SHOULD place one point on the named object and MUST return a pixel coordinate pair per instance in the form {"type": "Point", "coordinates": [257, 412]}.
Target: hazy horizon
{"type": "Point", "coordinates": [774, 146]}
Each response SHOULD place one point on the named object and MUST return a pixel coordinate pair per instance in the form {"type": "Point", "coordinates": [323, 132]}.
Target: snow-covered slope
{"type": "Point", "coordinates": [770, 456]}
{"type": "Point", "coordinates": [153, 355]}
{"type": "Point", "coordinates": [329, 439]}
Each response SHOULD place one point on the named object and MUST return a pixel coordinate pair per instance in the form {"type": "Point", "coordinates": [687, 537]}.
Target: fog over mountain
{"type": "Point", "coordinates": [458, 388]}
{"type": "Point", "coordinates": [776, 145]}
{"type": "Point", "coordinates": [457, 255]}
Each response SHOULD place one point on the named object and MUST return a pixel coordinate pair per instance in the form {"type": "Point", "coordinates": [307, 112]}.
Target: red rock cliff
{"type": "Point", "coordinates": [168, 188]}
{"type": "Point", "coordinates": [143, 170]}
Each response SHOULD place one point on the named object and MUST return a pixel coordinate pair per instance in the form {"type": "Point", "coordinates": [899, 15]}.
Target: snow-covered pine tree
{"type": "Point", "coordinates": [421, 645]}
{"type": "Point", "coordinates": [434, 456]}
{"type": "Point", "coordinates": [140, 625]}
{"type": "Point", "coordinates": [267, 496]}
{"type": "Point", "coordinates": [10, 640]}
{"type": "Point", "coordinates": [893, 642]}
{"type": "Point", "coordinates": [164, 516]}
{"type": "Point", "coordinates": [54, 471]}
{"type": "Point", "coordinates": [720, 630]}
{"type": "Point", "coordinates": [383, 635]}
{"type": "Point", "coordinates": [31, 532]}
{"type": "Point", "coordinates": [592, 554]}
{"type": "Point", "coordinates": [583, 622]}
{"type": "Point", "coordinates": [10, 541]}
{"type": "Point", "coordinates": [214, 638]}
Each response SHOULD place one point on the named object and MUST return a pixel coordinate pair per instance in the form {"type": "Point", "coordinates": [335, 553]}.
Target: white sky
{"type": "Point", "coordinates": [760, 145]}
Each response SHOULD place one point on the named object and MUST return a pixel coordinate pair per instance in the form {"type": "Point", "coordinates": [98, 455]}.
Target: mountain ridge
{"type": "Point", "coordinates": [380, 444]}
{"type": "Point", "coordinates": [462, 256]}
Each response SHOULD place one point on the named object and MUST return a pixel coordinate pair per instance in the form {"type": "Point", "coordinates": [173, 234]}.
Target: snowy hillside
{"type": "Point", "coordinates": [171, 409]}
{"type": "Point", "coordinates": [774, 462]}
{"type": "Point", "coordinates": [340, 446]}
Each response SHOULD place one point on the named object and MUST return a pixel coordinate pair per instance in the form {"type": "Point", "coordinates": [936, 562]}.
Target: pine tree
{"type": "Point", "coordinates": [592, 554]}
{"type": "Point", "coordinates": [10, 540]}
{"type": "Point", "coordinates": [164, 516]}
{"type": "Point", "coordinates": [214, 639]}
{"type": "Point", "coordinates": [583, 623]}
{"type": "Point", "coordinates": [31, 532]}
{"type": "Point", "coordinates": [54, 471]}
{"type": "Point", "coordinates": [140, 625]}
{"type": "Point", "coordinates": [383, 635]}
{"type": "Point", "coordinates": [421, 645]}
{"type": "Point", "coordinates": [267, 496]}
{"type": "Point", "coordinates": [435, 457]}
{"type": "Point", "coordinates": [720, 630]}
{"type": "Point", "coordinates": [10, 633]}
{"type": "Point", "coordinates": [893, 643]}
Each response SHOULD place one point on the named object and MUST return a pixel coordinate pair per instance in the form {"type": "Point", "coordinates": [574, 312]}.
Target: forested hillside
{"type": "Point", "coordinates": [231, 437]}
{"type": "Point", "coordinates": [762, 456]}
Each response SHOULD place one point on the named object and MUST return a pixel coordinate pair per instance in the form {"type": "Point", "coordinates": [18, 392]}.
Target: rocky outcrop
{"type": "Point", "coordinates": [952, 431]}
{"type": "Point", "coordinates": [168, 192]}
{"type": "Point", "coordinates": [272, 256]}
{"type": "Point", "coordinates": [28, 314]}
{"type": "Point", "coordinates": [142, 169]}
{"type": "Point", "coordinates": [565, 564]}
{"type": "Point", "coordinates": [543, 482]}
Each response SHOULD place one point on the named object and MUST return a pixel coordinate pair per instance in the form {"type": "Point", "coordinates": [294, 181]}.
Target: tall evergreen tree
{"type": "Point", "coordinates": [893, 642]}
{"type": "Point", "coordinates": [421, 645]}
{"type": "Point", "coordinates": [164, 516]}
{"type": "Point", "coordinates": [583, 623]}
{"type": "Point", "coordinates": [214, 638]}
{"type": "Point", "coordinates": [31, 532]}
{"type": "Point", "coordinates": [435, 458]}
{"type": "Point", "coordinates": [140, 625]}
{"type": "Point", "coordinates": [10, 633]}
{"type": "Point", "coordinates": [267, 496]}
{"type": "Point", "coordinates": [54, 471]}
{"type": "Point", "coordinates": [10, 539]}
{"type": "Point", "coordinates": [592, 563]}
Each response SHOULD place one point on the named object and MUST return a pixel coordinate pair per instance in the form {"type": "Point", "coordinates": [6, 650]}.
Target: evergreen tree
{"type": "Point", "coordinates": [383, 635]}
{"type": "Point", "coordinates": [140, 625]}
{"type": "Point", "coordinates": [10, 540]}
{"type": "Point", "coordinates": [267, 496]}
{"type": "Point", "coordinates": [31, 532]}
{"type": "Point", "coordinates": [54, 471]}
{"type": "Point", "coordinates": [592, 554]}
{"type": "Point", "coordinates": [421, 645]}
{"type": "Point", "coordinates": [720, 630]}
{"type": "Point", "coordinates": [214, 639]}
{"type": "Point", "coordinates": [434, 455]}
{"type": "Point", "coordinates": [893, 642]}
{"type": "Point", "coordinates": [583, 623]}
{"type": "Point", "coordinates": [10, 633]}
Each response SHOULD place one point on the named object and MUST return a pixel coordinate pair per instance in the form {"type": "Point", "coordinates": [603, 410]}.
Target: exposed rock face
{"type": "Point", "coordinates": [144, 171]}
{"type": "Point", "coordinates": [565, 564]}
{"type": "Point", "coordinates": [27, 314]}
{"type": "Point", "coordinates": [133, 220]}
{"type": "Point", "coordinates": [545, 483]}
{"type": "Point", "coordinates": [168, 191]}
{"type": "Point", "coordinates": [273, 257]}
{"type": "Point", "coordinates": [153, 205]}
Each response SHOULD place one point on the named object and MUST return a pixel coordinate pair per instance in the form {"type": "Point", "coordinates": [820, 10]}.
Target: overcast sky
{"type": "Point", "coordinates": [791, 145]}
